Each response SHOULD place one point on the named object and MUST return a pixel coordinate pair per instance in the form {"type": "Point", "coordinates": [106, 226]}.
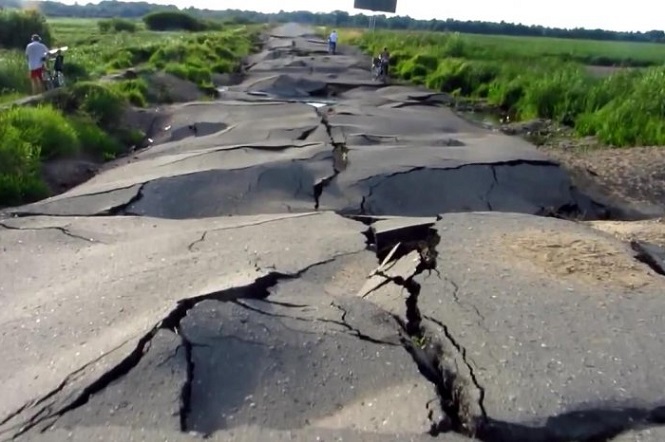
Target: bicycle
{"type": "Point", "coordinates": [54, 78]}
{"type": "Point", "coordinates": [379, 69]}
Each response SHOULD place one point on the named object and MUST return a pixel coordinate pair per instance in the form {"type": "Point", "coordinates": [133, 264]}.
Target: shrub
{"type": "Point", "coordinates": [29, 135]}
{"type": "Point", "coordinates": [94, 141]}
{"type": "Point", "coordinates": [19, 168]}
{"type": "Point", "coordinates": [117, 25]}
{"type": "Point", "coordinates": [134, 91]}
{"type": "Point", "coordinates": [464, 76]}
{"type": "Point", "coordinates": [103, 104]}
{"type": "Point", "coordinates": [195, 74]}
{"type": "Point", "coordinates": [13, 74]}
{"type": "Point", "coordinates": [17, 25]}
{"type": "Point", "coordinates": [173, 20]}
{"type": "Point", "coordinates": [44, 128]}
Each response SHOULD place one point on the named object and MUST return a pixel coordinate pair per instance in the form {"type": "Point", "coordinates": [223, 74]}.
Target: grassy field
{"type": "Point", "coordinates": [592, 52]}
{"type": "Point", "coordinates": [538, 78]}
{"type": "Point", "coordinates": [85, 119]}
{"type": "Point", "coordinates": [92, 54]}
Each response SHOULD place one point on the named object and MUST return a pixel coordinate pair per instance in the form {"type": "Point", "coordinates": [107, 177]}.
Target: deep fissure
{"type": "Point", "coordinates": [428, 353]}
{"type": "Point", "coordinates": [651, 255]}
{"type": "Point", "coordinates": [424, 348]}
{"type": "Point", "coordinates": [259, 289]}
{"type": "Point", "coordinates": [339, 148]}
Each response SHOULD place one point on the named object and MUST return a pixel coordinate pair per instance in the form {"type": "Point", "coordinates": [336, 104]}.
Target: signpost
{"type": "Point", "coordinates": [376, 6]}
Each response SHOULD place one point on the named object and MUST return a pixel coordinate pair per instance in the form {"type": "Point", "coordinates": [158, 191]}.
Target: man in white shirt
{"type": "Point", "coordinates": [332, 42]}
{"type": "Point", "coordinates": [35, 53]}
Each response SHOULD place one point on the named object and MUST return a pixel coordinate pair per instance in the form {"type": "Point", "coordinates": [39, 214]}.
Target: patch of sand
{"type": "Point", "coordinates": [578, 256]}
{"type": "Point", "coordinates": [652, 231]}
{"type": "Point", "coordinates": [634, 174]}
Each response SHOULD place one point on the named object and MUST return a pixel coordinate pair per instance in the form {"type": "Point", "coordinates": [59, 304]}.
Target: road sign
{"type": "Point", "coordinates": [376, 5]}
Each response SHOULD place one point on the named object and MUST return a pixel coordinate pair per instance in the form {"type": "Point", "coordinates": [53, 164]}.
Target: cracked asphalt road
{"type": "Point", "coordinates": [277, 270]}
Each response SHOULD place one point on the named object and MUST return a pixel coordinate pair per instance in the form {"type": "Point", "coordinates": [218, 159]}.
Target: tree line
{"type": "Point", "coordinates": [113, 8]}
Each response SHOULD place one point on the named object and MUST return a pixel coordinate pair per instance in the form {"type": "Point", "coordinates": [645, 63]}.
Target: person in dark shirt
{"type": "Point", "coordinates": [385, 61]}
{"type": "Point", "coordinates": [59, 62]}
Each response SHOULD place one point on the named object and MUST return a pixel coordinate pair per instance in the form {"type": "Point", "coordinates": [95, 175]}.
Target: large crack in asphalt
{"type": "Point", "coordinates": [430, 342]}
{"type": "Point", "coordinates": [440, 357]}
{"type": "Point", "coordinates": [426, 349]}
{"type": "Point", "coordinates": [45, 417]}
{"type": "Point", "coordinates": [62, 229]}
{"type": "Point", "coordinates": [570, 210]}
{"type": "Point", "coordinates": [339, 159]}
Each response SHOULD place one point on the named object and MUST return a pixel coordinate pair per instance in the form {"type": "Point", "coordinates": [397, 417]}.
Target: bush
{"type": "Point", "coordinates": [16, 27]}
{"type": "Point", "coordinates": [44, 128]}
{"type": "Point", "coordinates": [19, 168]}
{"type": "Point", "coordinates": [103, 104]}
{"type": "Point", "coordinates": [94, 141]}
{"type": "Point", "coordinates": [29, 135]}
{"type": "Point", "coordinates": [13, 74]}
{"type": "Point", "coordinates": [117, 25]}
{"type": "Point", "coordinates": [195, 74]}
{"type": "Point", "coordinates": [173, 20]}
{"type": "Point", "coordinates": [134, 91]}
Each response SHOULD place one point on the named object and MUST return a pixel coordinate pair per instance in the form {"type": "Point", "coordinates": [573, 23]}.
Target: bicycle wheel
{"type": "Point", "coordinates": [60, 79]}
{"type": "Point", "coordinates": [46, 81]}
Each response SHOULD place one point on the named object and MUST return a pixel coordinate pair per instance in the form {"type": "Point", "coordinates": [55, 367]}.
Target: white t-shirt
{"type": "Point", "coordinates": [333, 37]}
{"type": "Point", "coordinates": [35, 52]}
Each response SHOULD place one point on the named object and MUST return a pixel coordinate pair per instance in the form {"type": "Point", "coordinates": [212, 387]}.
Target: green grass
{"type": "Point", "coordinates": [539, 78]}
{"type": "Point", "coordinates": [93, 54]}
{"type": "Point", "coordinates": [504, 47]}
{"type": "Point", "coordinates": [85, 117]}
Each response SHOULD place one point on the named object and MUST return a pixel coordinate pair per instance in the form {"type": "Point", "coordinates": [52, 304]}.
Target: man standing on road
{"type": "Point", "coordinates": [332, 42]}
{"type": "Point", "coordinates": [35, 53]}
{"type": "Point", "coordinates": [385, 62]}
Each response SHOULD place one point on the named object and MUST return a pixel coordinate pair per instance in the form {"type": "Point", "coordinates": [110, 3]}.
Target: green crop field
{"type": "Point", "coordinates": [86, 118]}
{"type": "Point", "coordinates": [530, 78]}
{"type": "Point", "coordinates": [603, 53]}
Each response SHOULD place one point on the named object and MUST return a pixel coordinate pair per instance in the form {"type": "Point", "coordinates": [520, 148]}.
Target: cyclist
{"type": "Point", "coordinates": [384, 60]}
{"type": "Point", "coordinates": [332, 42]}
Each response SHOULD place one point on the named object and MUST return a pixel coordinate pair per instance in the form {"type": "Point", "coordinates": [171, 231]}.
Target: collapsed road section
{"type": "Point", "coordinates": [207, 289]}
{"type": "Point", "coordinates": [273, 144]}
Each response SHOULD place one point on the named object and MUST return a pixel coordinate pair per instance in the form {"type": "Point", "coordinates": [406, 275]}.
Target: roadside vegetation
{"type": "Point", "coordinates": [526, 78]}
{"type": "Point", "coordinates": [88, 117]}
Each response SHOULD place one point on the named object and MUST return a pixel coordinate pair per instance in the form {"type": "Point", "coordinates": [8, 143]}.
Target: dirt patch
{"type": "Point", "coordinates": [63, 174]}
{"type": "Point", "coordinates": [166, 88]}
{"type": "Point", "coordinates": [652, 231]}
{"type": "Point", "coordinates": [581, 257]}
{"type": "Point", "coordinates": [634, 175]}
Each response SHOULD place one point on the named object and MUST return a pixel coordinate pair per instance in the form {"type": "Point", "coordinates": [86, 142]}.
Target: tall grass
{"type": "Point", "coordinates": [92, 54]}
{"type": "Point", "coordinates": [623, 109]}
{"type": "Point", "coordinates": [85, 117]}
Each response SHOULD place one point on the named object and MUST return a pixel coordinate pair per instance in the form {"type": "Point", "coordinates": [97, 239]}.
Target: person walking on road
{"type": "Point", "coordinates": [332, 42]}
{"type": "Point", "coordinates": [35, 52]}
{"type": "Point", "coordinates": [385, 62]}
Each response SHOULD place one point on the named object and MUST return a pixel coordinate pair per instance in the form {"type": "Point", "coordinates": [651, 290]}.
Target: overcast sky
{"type": "Point", "coordinates": [638, 15]}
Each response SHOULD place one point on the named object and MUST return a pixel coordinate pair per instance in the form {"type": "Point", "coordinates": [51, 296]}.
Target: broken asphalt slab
{"type": "Point", "coordinates": [90, 317]}
{"type": "Point", "coordinates": [235, 156]}
{"type": "Point", "coordinates": [551, 328]}
{"type": "Point", "coordinates": [184, 321]}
